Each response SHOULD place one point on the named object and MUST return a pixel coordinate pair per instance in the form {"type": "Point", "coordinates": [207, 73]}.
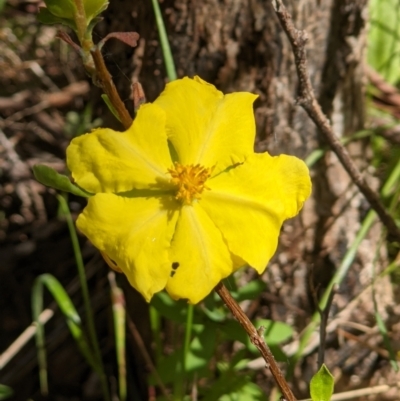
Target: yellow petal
{"type": "Point", "coordinates": [111, 161]}
{"type": "Point", "coordinates": [135, 233]}
{"type": "Point", "coordinates": [250, 202]}
{"type": "Point", "coordinates": [206, 127]}
{"type": "Point", "coordinates": [199, 256]}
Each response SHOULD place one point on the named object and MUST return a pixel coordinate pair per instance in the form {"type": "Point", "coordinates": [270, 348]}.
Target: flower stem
{"type": "Point", "coordinates": [257, 339]}
{"type": "Point", "coordinates": [188, 334]}
{"type": "Point", "coordinates": [104, 80]}
{"type": "Point", "coordinates": [85, 295]}
{"type": "Point", "coordinates": [80, 20]}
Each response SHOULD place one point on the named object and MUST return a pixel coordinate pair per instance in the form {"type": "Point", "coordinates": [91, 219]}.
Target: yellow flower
{"type": "Point", "coordinates": [181, 199]}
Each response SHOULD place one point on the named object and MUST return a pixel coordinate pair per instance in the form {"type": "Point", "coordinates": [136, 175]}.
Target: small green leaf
{"type": "Point", "coordinates": [49, 177]}
{"type": "Point", "coordinates": [274, 332]}
{"type": "Point", "coordinates": [46, 17]}
{"type": "Point", "coordinates": [61, 8]}
{"type": "Point", "coordinates": [167, 307]}
{"type": "Point", "coordinates": [321, 385]}
{"type": "Point", "coordinates": [65, 12]}
{"type": "Point", "coordinates": [252, 290]}
{"type": "Point", "coordinates": [94, 7]}
{"type": "Point", "coordinates": [92, 24]}
{"type": "Point", "coordinates": [5, 392]}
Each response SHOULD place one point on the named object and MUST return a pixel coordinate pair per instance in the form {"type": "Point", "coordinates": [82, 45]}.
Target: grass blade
{"type": "Point", "coordinates": [166, 48]}
{"type": "Point", "coordinates": [73, 321]}
{"type": "Point", "coordinates": [119, 317]}
{"type": "Point", "coordinates": [85, 294]}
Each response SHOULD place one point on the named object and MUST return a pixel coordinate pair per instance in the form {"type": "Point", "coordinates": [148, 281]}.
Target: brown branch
{"type": "Point", "coordinates": [324, 316]}
{"type": "Point", "coordinates": [257, 339]}
{"type": "Point", "coordinates": [105, 81]}
{"type": "Point", "coordinates": [307, 100]}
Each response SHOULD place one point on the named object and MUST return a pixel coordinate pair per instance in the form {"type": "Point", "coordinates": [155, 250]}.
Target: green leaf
{"type": "Point", "coordinates": [65, 12]}
{"type": "Point", "coordinates": [61, 8]}
{"type": "Point", "coordinates": [274, 332]}
{"type": "Point", "coordinates": [232, 386]}
{"type": "Point", "coordinates": [165, 306]}
{"type": "Point", "coordinates": [73, 321]}
{"type": "Point", "coordinates": [202, 348]}
{"type": "Point", "coordinates": [321, 385]}
{"type": "Point", "coordinates": [5, 392]}
{"type": "Point", "coordinates": [46, 17]}
{"type": "Point", "coordinates": [49, 177]}
{"type": "Point", "coordinates": [252, 290]}
{"type": "Point", "coordinates": [92, 24]}
{"type": "Point", "coordinates": [94, 7]}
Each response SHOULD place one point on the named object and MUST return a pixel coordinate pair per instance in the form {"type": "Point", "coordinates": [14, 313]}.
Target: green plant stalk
{"type": "Point", "coordinates": [180, 378]}
{"type": "Point", "coordinates": [119, 317]}
{"type": "Point", "coordinates": [73, 321]}
{"type": "Point", "coordinates": [178, 382]}
{"type": "Point", "coordinates": [37, 306]}
{"type": "Point", "coordinates": [188, 335]}
{"type": "Point", "coordinates": [156, 327]}
{"type": "Point", "coordinates": [166, 49]}
{"type": "Point", "coordinates": [85, 294]}
{"type": "Point", "coordinates": [80, 21]}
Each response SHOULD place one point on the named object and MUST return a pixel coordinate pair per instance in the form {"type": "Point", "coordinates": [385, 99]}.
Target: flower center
{"type": "Point", "coordinates": [190, 181]}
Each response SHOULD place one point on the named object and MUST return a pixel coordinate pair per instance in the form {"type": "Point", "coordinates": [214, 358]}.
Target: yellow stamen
{"type": "Point", "coordinates": [190, 181]}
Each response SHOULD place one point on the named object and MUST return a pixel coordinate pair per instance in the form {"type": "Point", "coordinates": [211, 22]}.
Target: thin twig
{"type": "Point", "coordinates": [324, 315]}
{"type": "Point", "coordinates": [23, 338]}
{"type": "Point", "coordinates": [257, 339]}
{"type": "Point", "coordinates": [146, 356]}
{"type": "Point", "coordinates": [105, 81]}
{"type": "Point", "coordinates": [307, 100]}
